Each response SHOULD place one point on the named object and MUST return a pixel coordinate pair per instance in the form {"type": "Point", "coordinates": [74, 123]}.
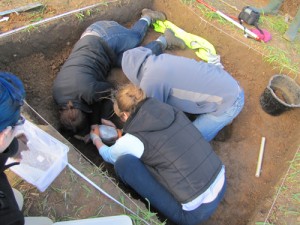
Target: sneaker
{"type": "Point", "coordinates": [173, 41]}
{"type": "Point", "coordinates": [154, 15]}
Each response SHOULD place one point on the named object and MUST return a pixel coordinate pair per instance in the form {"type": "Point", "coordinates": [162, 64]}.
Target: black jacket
{"type": "Point", "coordinates": [175, 152]}
{"type": "Point", "coordinates": [9, 210]}
{"type": "Point", "coordinates": [83, 77]}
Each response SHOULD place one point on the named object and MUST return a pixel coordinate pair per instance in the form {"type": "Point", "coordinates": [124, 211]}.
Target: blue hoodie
{"type": "Point", "coordinates": [11, 99]}
{"type": "Point", "coordinates": [193, 87]}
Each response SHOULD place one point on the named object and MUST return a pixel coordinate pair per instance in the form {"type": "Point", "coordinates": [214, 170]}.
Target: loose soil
{"type": "Point", "coordinates": [37, 55]}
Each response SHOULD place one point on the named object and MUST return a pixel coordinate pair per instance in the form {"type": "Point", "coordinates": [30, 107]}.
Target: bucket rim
{"type": "Point", "coordinates": [273, 93]}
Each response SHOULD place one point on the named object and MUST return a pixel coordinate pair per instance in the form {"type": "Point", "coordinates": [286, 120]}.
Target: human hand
{"type": "Point", "coordinates": [215, 59]}
{"type": "Point", "coordinates": [95, 134]}
{"type": "Point", "coordinates": [95, 130]}
{"type": "Point", "coordinates": [22, 146]}
{"type": "Point", "coordinates": [120, 133]}
{"type": "Point", "coordinates": [6, 137]}
{"type": "Point", "coordinates": [86, 138]}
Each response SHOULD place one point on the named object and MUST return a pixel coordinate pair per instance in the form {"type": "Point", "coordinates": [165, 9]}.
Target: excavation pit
{"type": "Point", "coordinates": [37, 56]}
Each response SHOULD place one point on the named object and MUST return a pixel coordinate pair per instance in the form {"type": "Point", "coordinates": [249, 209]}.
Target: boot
{"type": "Point", "coordinates": [271, 8]}
{"type": "Point", "coordinates": [291, 33]}
{"type": "Point", "coordinates": [153, 15]}
{"type": "Point", "coordinates": [172, 40]}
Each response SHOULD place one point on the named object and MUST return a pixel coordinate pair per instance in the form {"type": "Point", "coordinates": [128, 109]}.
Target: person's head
{"type": "Point", "coordinates": [126, 100]}
{"type": "Point", "coordinates": [12, 96]}
{"type": "Point", "coordinates": [72, 118]}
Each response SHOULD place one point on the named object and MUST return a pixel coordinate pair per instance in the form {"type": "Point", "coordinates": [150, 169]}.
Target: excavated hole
{"type": "Point", "coordinates": [37, 56]}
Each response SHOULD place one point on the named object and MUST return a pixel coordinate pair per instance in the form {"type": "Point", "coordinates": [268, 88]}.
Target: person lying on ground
{"type": "Point", "coordinates": [12, 96]}
{"type": "Point", "coordinates": [81, 89]}
{"type": "Point", "coordinates": [206, 92]}
{"type": "Point", "coordinates": [164, 158]}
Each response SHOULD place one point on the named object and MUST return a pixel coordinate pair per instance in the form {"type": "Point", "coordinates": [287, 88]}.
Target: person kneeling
{"type": "Point", "coordinates": [164, 158]}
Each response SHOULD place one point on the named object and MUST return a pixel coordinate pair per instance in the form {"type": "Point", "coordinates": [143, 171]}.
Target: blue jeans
{"type": "Point", "coordinates": [209, 125]}
{"type": "Point", "coordinates": [118, 37]}
{"type": "Point", "coordinates": [134, 173]}
{"type": "Point", "coordinates": [156, 47]}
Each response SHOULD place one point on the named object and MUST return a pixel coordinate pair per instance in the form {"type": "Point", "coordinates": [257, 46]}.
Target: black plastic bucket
{"type": "Point", "coordinates": [281, 94]}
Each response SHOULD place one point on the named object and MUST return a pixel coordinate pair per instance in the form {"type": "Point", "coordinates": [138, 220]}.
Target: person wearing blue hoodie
{"type": "Point", "coordinates": [12, 96]}
{"type": "Point", "coordinates": [206, 92]}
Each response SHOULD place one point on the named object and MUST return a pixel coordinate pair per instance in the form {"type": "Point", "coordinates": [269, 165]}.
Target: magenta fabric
{"type": "Point", "coordinates": [266, 36]}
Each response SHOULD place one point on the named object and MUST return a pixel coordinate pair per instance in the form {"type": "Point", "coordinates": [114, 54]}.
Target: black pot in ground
{"type": "Point", "coordinates": [281, 94]}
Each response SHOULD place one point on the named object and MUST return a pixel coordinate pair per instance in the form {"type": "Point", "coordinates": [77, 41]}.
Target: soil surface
{"type": "Point", "coordinates": [246, 194]}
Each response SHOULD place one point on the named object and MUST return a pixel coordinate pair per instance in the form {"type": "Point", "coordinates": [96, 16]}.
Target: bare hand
{"type": "Point", "coordinates": [95, 136]}
{"type": "Point", "coordinates": [6, 137]}
{"type": "Point", "coordinates": [85, 138]}
{"type": "Point", "coordinates": [95, 130]}
{"type": "Point", "coordinates": [22, 146]}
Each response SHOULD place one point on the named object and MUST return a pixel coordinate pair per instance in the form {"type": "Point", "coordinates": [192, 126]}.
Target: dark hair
{"type": "Point", "coordinates": [72, 118]}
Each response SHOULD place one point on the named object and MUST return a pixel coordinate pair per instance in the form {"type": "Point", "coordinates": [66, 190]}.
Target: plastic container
{"type": "Point", "coordinates": [42, 159]}
{"type": "Point", "coordinates": [108, 134]}
{"type": "Point", "coordinates": [109, 220]}
{"type": "Point", "coordinates": [281, 94]}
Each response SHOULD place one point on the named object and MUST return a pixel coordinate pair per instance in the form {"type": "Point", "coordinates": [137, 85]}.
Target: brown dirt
{"type": "Point", "coordinates": [241, 57]}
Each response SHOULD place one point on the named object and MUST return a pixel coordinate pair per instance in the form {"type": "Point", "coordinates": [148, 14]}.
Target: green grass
{"type": "Point", "coordinates": [211, 15]}
{"type": "Point", "coordinates": [279, 59]}
{"type": "Point", "coordinates": [87, 189]}
{"type": "Point", "coordinates": [146, 215]}
{"type": "Point", "coordinates": [188, 1]}
{"type": "Point", "coordinates": [80, 16]}
{"type": "Point", "coordinates": [273, 55]}
{"type": "Point", "coordinates": [275, 23]}
{"type": "Point", "coordinates": [38, 14]}
{"type": "Point", "coordinates": [30, 28]}
{"type": "Point", "coordinates": [44, 203]}
{"type": "Point", "coordinates": [74, 177]}
{"type": "Point", "coordinates": [36, 19]}
{"type": "Point", "coordinates": [99, 211]}
{"type": "Point", "coordinates": [287, 201]}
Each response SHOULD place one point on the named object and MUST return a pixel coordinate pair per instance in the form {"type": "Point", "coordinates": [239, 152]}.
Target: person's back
{"type": "Point", "coordinates": [204, 90]}
{"type": "Point", "coordinates": [84, 73]}
{"type": "Point", "coordinates": [81, 88]}
{"type": "Point", "coordinates": [164, 158]}
{"type": "Point", "coordinates": [193, 87]}
{"type": "Point", "coordinates": [175, 152]}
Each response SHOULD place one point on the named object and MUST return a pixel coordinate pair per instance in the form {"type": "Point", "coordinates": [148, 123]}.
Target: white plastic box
{"type": "Point", "coordinates": [44, 158]}
{"type": "Point", "coordinates": [109, 220]}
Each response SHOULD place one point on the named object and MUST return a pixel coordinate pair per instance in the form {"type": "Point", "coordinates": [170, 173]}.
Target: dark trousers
{"type": "Point", "coordinates": [134, 173]}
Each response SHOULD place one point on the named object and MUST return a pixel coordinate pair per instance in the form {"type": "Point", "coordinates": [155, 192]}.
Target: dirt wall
{"type": "Point", "coordinates": [50, 37]}
{"type": "Point", "coordinates": [37, 56]}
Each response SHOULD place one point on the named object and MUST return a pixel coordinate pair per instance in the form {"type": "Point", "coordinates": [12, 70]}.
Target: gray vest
{"type": "Point", "coordinates": [175, 152]}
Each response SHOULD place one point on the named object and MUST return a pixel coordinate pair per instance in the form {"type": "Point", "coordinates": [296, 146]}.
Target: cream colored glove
{"type": "Point", "coordinates": [215, 59]}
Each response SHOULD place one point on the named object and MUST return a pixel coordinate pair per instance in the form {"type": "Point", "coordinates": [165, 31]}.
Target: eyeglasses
{"type": "Point", "coordinates": [20, 121]}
